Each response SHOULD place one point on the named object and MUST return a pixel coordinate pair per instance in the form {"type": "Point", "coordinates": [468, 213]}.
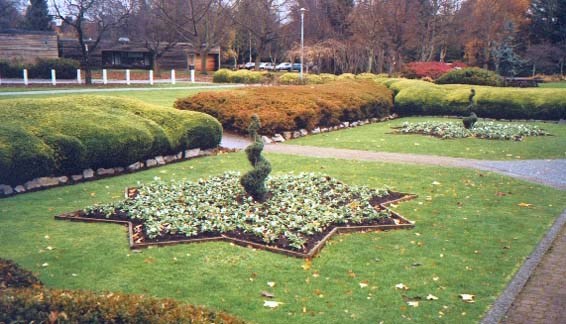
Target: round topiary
{"type": "Point", "coordinates": [254, 180]}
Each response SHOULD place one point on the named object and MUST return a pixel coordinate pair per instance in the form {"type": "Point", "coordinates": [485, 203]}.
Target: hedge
{"type": "Point", "coordinates": [64, 135]}
{"type": "Point", "coordinates": [286, 108]}
{"type": "Point", "coordinates": [24, 300]}
{"type": "Point", "coordinates": [241, 76]}
{"type": "Point", "coordinates": [474, 76]}
{"type": "Point", "coordinates": [414, 97]}
{"type": "Point", "coordinates": [41, 69]}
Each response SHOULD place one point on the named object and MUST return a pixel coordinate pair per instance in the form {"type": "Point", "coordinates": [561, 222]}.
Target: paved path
{"type": "Point", "coordinates": [93, 90]}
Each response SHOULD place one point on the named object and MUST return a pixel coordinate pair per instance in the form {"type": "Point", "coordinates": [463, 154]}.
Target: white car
{"type": "Point", "coordinates": [249, 65]}
{"type": "Point", "coordinates": [285, 66]}
{"type": "Point", "coordinates": [266, 66]}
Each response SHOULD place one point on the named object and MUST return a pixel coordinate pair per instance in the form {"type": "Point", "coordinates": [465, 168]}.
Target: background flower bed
{"type": "Point", "coordinates": [64, 135]}
{"type": "Point", "coordinates": [299, 207]}
{"type": "Point", "coordinates": [287, 108]}
{"type": "Point", "coordinates": [24, 299]}
{"type": "Point", "coordinates": [485, 130]}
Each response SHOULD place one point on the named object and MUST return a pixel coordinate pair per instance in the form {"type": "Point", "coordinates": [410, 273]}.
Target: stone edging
{"type": "Point", "coordinates": [287, 135]}
{"type": "Point", "coordinates": [42, 183]}
{"type": "Point", "coordinates": [400, 223]}
{"type": "Point", "coordinates": [506, 299]}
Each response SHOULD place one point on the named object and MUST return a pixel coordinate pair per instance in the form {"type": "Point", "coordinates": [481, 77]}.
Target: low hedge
{"type": "Point", "coordinates": [475, 76]}
{"type": "Point", "coordinates": [64, 135]}
{"type": "Point", "coordinates": [285, 108]}
{"type": "Point", "coordinates": [65, 68]}
{"type": "Point", "coordinates": [414, 97]}
{"type": "Point", "coordinates": [241, 76]}
{"type": "Point", "coordinates": [24, 300]}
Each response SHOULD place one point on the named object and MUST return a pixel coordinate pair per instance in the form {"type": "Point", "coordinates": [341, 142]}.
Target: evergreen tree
{"type": "Point", "coordinates": [37, 16]}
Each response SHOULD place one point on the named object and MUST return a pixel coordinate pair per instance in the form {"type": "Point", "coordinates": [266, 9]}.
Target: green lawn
{"type": "Point", "coordinates": [164, 97]}
{"type": "Point", "coordinates": [561, 84]}
{"type": "Point", "coordinates": [379, 137]}
{"type": "Point", "coordinates": [470, 237]}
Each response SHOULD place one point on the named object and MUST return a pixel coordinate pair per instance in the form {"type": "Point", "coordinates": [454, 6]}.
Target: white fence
{"type": "Point", "coordinates": [104, 80]}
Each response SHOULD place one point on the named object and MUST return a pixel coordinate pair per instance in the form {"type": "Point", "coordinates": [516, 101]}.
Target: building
{"type": "Point", "coordinates": [27, 46]}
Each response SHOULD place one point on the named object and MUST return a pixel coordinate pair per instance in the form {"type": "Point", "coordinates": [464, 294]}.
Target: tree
{"type": "Point", "coordinates": [548, 31]}
{"type": "Point", "coordinates": [10, 17]}
{"type": "Point", "coordinates": [37, 16]}
{"type": "Point", "coordinates": [92, 19]}
{"type": "Point", "coordinates": [148, 25]}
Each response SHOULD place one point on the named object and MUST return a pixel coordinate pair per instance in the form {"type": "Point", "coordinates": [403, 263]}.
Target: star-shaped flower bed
{"type": "Point", "coordinates": [301, 213]}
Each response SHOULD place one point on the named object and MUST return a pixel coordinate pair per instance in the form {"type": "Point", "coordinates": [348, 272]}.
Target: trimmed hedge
{"type": "Point", "coordinates": [414, 97]}
{"type": "Point", "coordinates": [64, 135]}
{"type": "Point", "coordinates": [65, 68]}
{"type": "Point", "coordinates": [241, 76]}
{"type": "Point", "coordinates": [473, 75]}
{"type": "Point", "coordinates": [286, 108]}
{"type": "Point", "coordinates": [24, 300]}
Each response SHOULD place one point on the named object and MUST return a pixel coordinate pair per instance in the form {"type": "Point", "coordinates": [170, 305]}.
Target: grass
{"type": "Point", "coordinates": [164, 97]}
{"type": "Point", "coordinates": [379, 137]}
{"type": "Point", "coordinates": [561, 84]}
{"type": "Point", "coordinates": [470, 237]}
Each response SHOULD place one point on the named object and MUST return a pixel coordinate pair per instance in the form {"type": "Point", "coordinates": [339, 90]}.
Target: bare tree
{"type": "Point", "coordinates": [93, 19]}
{"type": "Point", "coordinates": [10, 17]}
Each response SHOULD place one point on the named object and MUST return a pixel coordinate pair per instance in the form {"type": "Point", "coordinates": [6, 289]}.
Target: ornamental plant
{"type": "Point", "coordinates": [473, 118]}
{"type": "Point", "coordinates": [254, 181]}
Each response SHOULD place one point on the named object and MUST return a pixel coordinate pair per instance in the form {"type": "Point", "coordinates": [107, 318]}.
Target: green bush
{"type": "Point", "coordinates": [65, 68]}
{"type": "Point", "coordinates": [221, 76]}
{"type": "Point", "coordinates": [290, 78]}
{"type": "Point", "coordinates": [58, 136]}
{"type": "Point", "coordinates": [414, 97]}
{"type": "Point", "coordinates": [283, 108]}
{"type": "Point", "coordinates": [10, 69]}
{"type": "Point", "coordinates": [474, 76]}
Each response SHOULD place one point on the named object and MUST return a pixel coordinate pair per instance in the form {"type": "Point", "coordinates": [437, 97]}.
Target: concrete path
{"type": "Point", "coordinates": [94, 90]}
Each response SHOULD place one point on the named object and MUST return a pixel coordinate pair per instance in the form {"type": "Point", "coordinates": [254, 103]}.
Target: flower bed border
{"type": "Point", "coordinates": [401, 223]}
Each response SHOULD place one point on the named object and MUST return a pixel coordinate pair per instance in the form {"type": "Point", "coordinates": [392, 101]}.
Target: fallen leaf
{"type": "Point", "coordinates": [431, 297]}
{"type": "Point", "coordinates": [467, 298]}
{"type": "Point", "coordinates": [267, 294]}
{"type": "Point", "coordinates": [435, 278]}
{"type": "Point", "coordinates": [363, 284]}
{"type": "Point", "coordinates": [74, 274]}
{"type": "Point", "coordinates": [316, 274]}
{"type": "Point", "coordinates": [46, 237]}
{"type": "Point", "coordinates": [307, 265]}
{"type": "Point", "coordinates": [525, 205]}
{"type": "Point", "coordinates": [45, 264]}
{"type": "Point", "coordinates": [413, 303]}
{"type": "Point", "coordinates": [271, 284]}
{"type": "Point", "coordinates": [351, 274]}
{"type": "Point", "coordinates": [271, 303]}
{"type": "Point", "coordinates": [435, 183]}
{"type": "Point", "coordinates": [401, 286]}
{"type": "Point", "coordinates": [500, 194]}
{"type": "Point", "coordinates": [50, 248]}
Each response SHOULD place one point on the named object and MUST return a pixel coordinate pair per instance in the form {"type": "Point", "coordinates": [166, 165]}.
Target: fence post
{"type": "Point", "coordinates": [26, 81]}
{"type": "Point", "coordinates": [192, 71]}
{"type": "Point", "coordinates": [79, 76]}
{"type": "Point", "coordinates": [0, 79]}
{"type": "Point", "coordinates": [104, 76]}
{"type": "Point", "coordinates": [128, 76]}
{"type": "Point", "coordinates": [151, 77]}
{"type": "Point", "coordinates": [172, 76]}
{"type": "Point", "coordinates": [53, 77]}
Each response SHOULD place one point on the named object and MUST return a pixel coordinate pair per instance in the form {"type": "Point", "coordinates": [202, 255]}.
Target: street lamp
{"type": "Point", "coordinates": [302, 38]}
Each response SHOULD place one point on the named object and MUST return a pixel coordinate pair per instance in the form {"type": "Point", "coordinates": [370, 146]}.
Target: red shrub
{"type": "Point", "coordinates": [417, 70]}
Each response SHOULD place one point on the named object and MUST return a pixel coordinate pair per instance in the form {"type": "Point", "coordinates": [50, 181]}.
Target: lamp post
{"type": "Point", "coordinates": [302, 38]}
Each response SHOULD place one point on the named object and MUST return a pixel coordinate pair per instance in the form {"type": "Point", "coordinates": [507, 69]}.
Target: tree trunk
{"type": "Point", "coordinates": [203, 59]}
{"type": "Point", "coordinates": [370, 60]}
{"type": "Point", "coordinates": [156, 68]}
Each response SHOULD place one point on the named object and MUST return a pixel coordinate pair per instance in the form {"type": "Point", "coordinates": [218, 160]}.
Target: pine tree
{"type": "Point", "coordinates": [37, 16]}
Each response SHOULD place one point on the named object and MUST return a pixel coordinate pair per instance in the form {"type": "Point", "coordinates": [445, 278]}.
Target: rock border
{"type": "Point", "coordinates": [90, 174]}
{"type": "Point", "coordinates": [400, 223]}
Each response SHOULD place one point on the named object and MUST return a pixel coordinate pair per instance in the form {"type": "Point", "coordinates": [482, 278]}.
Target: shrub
{"type": "Point", "coordinates": [475, 76]}
{"type": "Point", "coordinates": [346, 76]}
{"type": "Point", "coordinates": [413, 97]}
{"type": "Point", "coordinates": [293, 107]}
{"type": "Point", "coordinates": [12, 276]}
{"type": "Point", "coordinates": [241, 76]}
{"type": "Point", "coordinates": [10, 69]}
{"type": "Point", "coordinates": [65, 68]}
{"type": "Point", "coordinates": [55, 136]}
{"type": "Point", "coordinates": [327, 77]}
{"type": "Point", "coordinates": [290, 78]}
{"type": "Point", "coordinates": [418, 70]}
{"type": "Point", "coordinates": [221, 76]}
{"type": "Point", "coordinates": [253, 181]}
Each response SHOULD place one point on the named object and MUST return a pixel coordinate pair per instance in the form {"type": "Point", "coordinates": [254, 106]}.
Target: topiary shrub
{"type": "Point", "coordinates": [470, 121]}
{"type": "Point", "coordinates": [65, 68]}
{"type": "Point", "coordinates": [254, 180]}
{"type": "Point", "coordinates": [474, 76]}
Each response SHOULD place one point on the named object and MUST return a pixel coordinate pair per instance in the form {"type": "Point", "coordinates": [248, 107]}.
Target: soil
{"type": "Point", "coordinates": [281, 243]}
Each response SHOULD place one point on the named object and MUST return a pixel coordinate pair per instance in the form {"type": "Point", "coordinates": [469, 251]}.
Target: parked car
{"type": "Point", "coordinates": [285, 66]}
{"type": "Point", "coordinates": [297, 66]}
{"type": "Point", "coordinates": [266, 66]}
{"type": "Point", "coordinates": [249, 65]}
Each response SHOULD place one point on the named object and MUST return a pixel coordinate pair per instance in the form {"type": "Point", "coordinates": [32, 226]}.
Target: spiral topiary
{"type": "Point", "coordinates": [254, 180]}
{"type": "Point", "coordinates": [473, 118]}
